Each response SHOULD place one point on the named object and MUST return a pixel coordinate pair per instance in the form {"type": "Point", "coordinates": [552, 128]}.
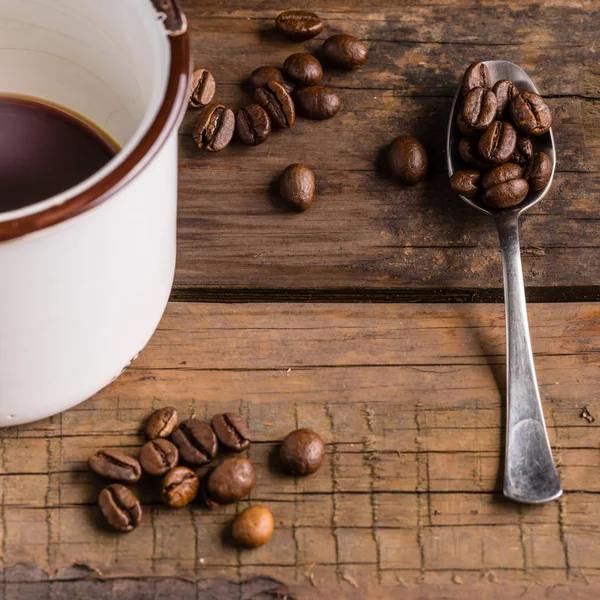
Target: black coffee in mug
{"type": "Point", "coordinates": [45, 150]}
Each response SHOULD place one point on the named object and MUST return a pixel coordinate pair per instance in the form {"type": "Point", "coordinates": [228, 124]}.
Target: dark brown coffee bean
{"type": "Point", "coordinates": [303, 68]}
{"type": "Point", "coordinates": [530, 113]}
{"type": "Point", "coordinates": [317, 102]}
{"type": "Point", "coordinates": [196, 442]}
{"type": "Point", "coordinates": [120, 507]}
{"type": "Point", "coordinates": [202, 88]}
{"type": "Point", "coordinates": [476, 75]}
{"type": "Point", "coordinates": [498, 142]}
{"type": "Point", "coordinates": [180, 487]}
{"type": "Point", "coordinates": [158, 456]}
{"type": "Point", "coordinates": [346, 51]}
{"type": "Point", "coordinates": [504, 186]}
{"type": "Point", "coordinates": [297, 186]}
{"type": "Point", "coordinates": [115, 465]}
{"type": "Point", "coordinates": [523, 152]}
{"type": "Point", "coordinates": [301, 452]}
{"type": "Point", "coordinates": [262, 75]}
{"type": "Point", "coordinates": [479, 108]}
{"type": "Point", "coordinates": [466, 182]}
{"type": "Point", "coordinates": [274, 98]}
{"type": "Point", "coordinates": [253, 527]}
{"type": "Point", "coordinates": [252, 124]}
{"type": "Point", "coordinates": [231, 431]}
{"type": "Point", "coordinates": [299, 24]}
{"type": "Point", "coordinates": [505, 91]}
{"type": "Point", "coordinates": [407, 160]}
{"type": "Point", "coordinates": [230, 481]}
{"type": "Point", "coordinates": [214, 128]}
{"type": "Point", "coordinates": [467, 148]}
{"type": "Point", "coordinates": [501, 174]}
{"type": "Point", "coordinates": [463, 127]}
{"type": "Point", "coordinates": [161, 423]}
{"type": "Point", "coordinates": [539, 171]}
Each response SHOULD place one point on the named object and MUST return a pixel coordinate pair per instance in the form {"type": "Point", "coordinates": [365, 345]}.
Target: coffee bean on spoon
{"type": "Point", "coordinates": [466, 182]}
{"type": "Point", "coordinates": [504, 186]}
{"type": "Point", "coordinates": [467, 148]}
{"type": "Point", "coordinates": [196, 442]}
{"type": "Point", "coordinates": [346, 51]}
{"type": "Point", "coordinates": [530, 113]}
{"type": "Point", "coordinates": [498, 142]}
{"type": "Point", "coordinates": [275, 99]}
{"type": "Point", "coordinates": [120, 507]}
{"type": "Point", "coordinates": [115, 465]}
{"type": "Point", "coordinates": [303, 68]}
{"type": "Point", "coordinates": [253, 527]}
{"type": "Point", "coordinates": [214, 128]}
{"type": "Point", "coordinates": [523, 152]}
{"type": "Point", "coordinates": [299, 24]}
{"type": "Point", "coordinates": [301, 452]}
{"type": "Point", "coordinates": [539, 171]}
{"type": "Point", "coordinates": [231, 431]}
{"type": "Point", "coordinates": [161, 423]}
{"type": "Point", "coordinates": [158, 456]}
{"type": "Point", "coordinates": [479, 108]}
{"type": "Point", "coordinates": [252, 124]}
{"type": "Point", "coordinates": [317, 102]}
{"type": "Point", "coordinates": [202, 88]}
{"type": "Point", "coordinates": [505, 91]}
{"type": "Point", "coordinates": [263, 75]}
{"type": "Point", "coordinates": [476, 75]}
{"type": "Point", "coordinates": [297, 186]}
{"type": "Point", "coordinates": [180, 487]}
{"type": "Point", "coordinates": [463, 127]}
{"type": "Point", "coordinates": [228, 482]}
{"type": "Point", "coordinates": [407, 160]}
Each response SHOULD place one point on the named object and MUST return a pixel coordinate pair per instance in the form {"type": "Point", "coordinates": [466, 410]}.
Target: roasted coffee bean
{"type": "Point", "coordinates": [317, 102]}
{"type": "Point", "coordinates": [501, 174]}
{"type": "Point", "coordinates": [303, 68]}
{"type": "Point", "coordinates": [158, 456]}
{"type": "Point", "coordinates": [504, 186]}
{"type": "Point", "coordinates": [214, 127]}
{"type": "Point", "coordinates": [407, 160]}
{"type": "Point", "coordinates": [202, 88]}
{"type": "Point", "coordinates": [299, 24]}
{"type": "Point", "coordinates": [196, 442]}
{"type": "Point", "coordinates": [115, 465]}
{"type": "Point", "coordinates": [467, 148]}
{"type": "Point", "coordinates": [301, 452]}
{"type": "Point", "coordinates": [476, 75]}
{"type": "Point", "coordinates": [346, 51]}
{"type": "Point", "coordinates": [463, 127]}
{"type": "Point", "coordinates": [530, 113]}
{"type": "Point", "coordinates": [231, 431]}
{"type": "Point", "coordinates": [466, 182]}
{"type": "Point", "coordinates": [505, 91]}
{"type": "Point", "coordinates": [523, 152]}
{"type": "Point", "coordinates": [275, 99]}
{"type": "Point", "coordinates": [120, 507]}
{"type": "Point", "coordinates": [161, 423]}
{"type": "Point", "coordinates": [252, 124]}
{"type": "Point", "coordinates": [253, 527]}
{"type": "Point", "coordinates": [498, 142]}
{"type": "Point", "coordinates": [479, 108]}
{"type": "Point", "coordinates": [229, 481]}
{"type": "Point", "coordinates": [180, 487]}
{"type": "Point", "coordinates": [262, 75]}
{"type": "Point", "coordinates": [539, 171]}
{"type": "Point", "coordinates": [297, 186]}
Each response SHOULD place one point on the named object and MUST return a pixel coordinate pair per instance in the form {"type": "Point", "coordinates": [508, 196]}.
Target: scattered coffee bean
{"type": "Point", "coordinates": [317, 102]}
{"type": "Point", "coordinates": [523, 152]}
{"type": "Point", "coordinates": [120, 507]}
{"type": "Point", "coordinates": [231, 431]}
{"type": "Point", "coordinates": [158, 456]}
{"type": "Point", "coordinates": [275, 99]}
{"type": "Point", "coordinates": [115, 465]}
{"type": "Point", "coordinates": [253, 527]}
{"type": "Point", "coordinates": [539, 171]}
{"type": "Point", "coordinates": [498, 142]}
{"type": "Point", "coordinates": [530, 113]}
{"type": "Point", "coordinates": [299, 24]}
{"type": "Point", "coordinates": [504, 186]}
{"type": "Point", "coordinates": [476, 75]}
{"type": "Point", "coordinates": [202, 88]}
{"type": "Point", "coordinates": [252, 124]}
{"type": "Point", "coordinates": [479, 108]}
{"type": "Point", "coordinates": [407, 159]}
{"type": "Point", "coordinates": [346, 51]}
{"type": "Point", "coordinates": [214, 127]}
{"type": "Point", "coordinates": [505, 91]}
{"type": "Point", "coordinates": [196, 442]}
{"type": "Point", "coordinates": [263, 75]}
{"type": "Point", "coordinates": [297, 186]}
{"type": "Point", "coordinates": [304, 68]}
{"type": "Point", "coordinates": [180, 487]}
{"type": "Point", "coordinates": [301, 452]}
{"type": "Point", "coordinates": [466, 182]}
{"type": "Point", "coordinates": [467, 148]}
{"type": "Point", "coordinates": [161, 423]}
{"type": "Point", "coordinates": [229, 481]}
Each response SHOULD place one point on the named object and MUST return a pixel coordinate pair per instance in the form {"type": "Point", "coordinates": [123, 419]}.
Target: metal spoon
{"type": "Point", "coordinates": [530, 473]}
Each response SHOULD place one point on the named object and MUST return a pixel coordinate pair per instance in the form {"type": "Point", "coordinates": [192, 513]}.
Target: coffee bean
{"type": "Point", "coordinates": [229, 481]}
{"type": "Point", "coordinates": [301, 452]}
{"type": "Point", "coordinates": [504, 186]}
{"type": "Point", "coordinates": [214, 127]}
{"type": "Point", "coordinates": [161, 423]}
{"type": "Point", "coordinates": [463, 127]}
{"type": "Point", "coordinates": [297, 186]}
{"type": "Point", "coordinates": [252, 124]}
{"type": "Point", "coordinates": [274, 98]}
{"type": "Point", "coordinates": [304, 68]}
{"type": "Point", "coordinates": [115, 465]}
{"type": "Point", "coordinates": [476, 75]}
{"type": "Point", "coordinates": [202, 88]}
{"type": "Point", "coordinates": [467, 148]}
{"type": "Point", "coordinates": [158, 456]}
{"type": "Point", "coordinates": [505, 91]}
{"type": "Point", "coordinates": [501, 174]}
{"type": "Point", "coordinates": [407, 159]}
{"type": "Point", "coordinates": [479, 108]}
{"type": "Point", "coordinates": [466, 182]}
{"type": "Point", "coordinates": [539, 171]}
{"type": "Point", "coordinates": [530, 113]}
{"type": "Point", "coordinates": [196, 442]}
{"type": "Point", "coordinates": [231, 431]}
{"type": "Point", "coordinates": [523, 152]}
{"type": "Point", "coordinates": [317, 102]}
{"type": "Point", "coordinates": [346, 51]}
{"type": "Point", "coordinates": [299, 24]}
{"type": "Point", "coordinates": [263, 75]}
{"type": "Point", "coordinates": [498, 142]}
{"type": "Point", "coordinates": [253, 527]}
{"type": "Point", "coordinates": [180, 487]}
{"type": "Point", "coordinates": [120, 507]}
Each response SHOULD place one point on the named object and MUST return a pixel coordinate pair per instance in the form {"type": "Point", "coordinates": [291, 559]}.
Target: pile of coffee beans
{"type": "Point", "coordinates": [498, 123]}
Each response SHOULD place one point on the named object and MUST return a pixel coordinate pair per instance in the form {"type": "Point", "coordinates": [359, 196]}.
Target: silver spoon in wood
{"type": "Point", "coordinates": [530, 473]}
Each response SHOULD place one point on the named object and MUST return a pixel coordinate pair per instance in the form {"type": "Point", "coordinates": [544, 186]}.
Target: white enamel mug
{"type": "Point", "coordinates": [85, 275]}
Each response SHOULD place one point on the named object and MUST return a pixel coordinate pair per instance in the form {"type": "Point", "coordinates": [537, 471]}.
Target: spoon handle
{"type": "Point", "coordinates": [529, 474]}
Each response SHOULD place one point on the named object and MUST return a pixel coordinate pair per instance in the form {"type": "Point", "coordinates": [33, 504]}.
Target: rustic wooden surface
{"type": "Point", "coordinates": [407, 393]}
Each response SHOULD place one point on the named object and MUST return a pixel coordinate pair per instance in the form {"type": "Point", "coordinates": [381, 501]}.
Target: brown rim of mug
{"type": "Point", "coordinates": [166, 119]}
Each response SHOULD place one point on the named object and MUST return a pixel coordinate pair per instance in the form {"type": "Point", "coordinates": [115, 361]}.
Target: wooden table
{"type": "Point", "coordinates": [374, 318]}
